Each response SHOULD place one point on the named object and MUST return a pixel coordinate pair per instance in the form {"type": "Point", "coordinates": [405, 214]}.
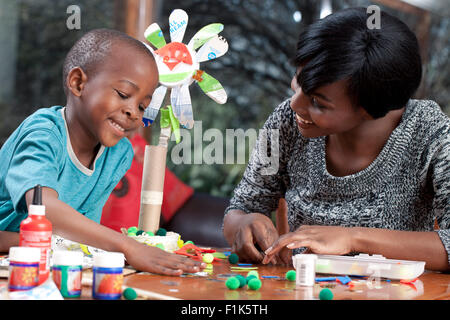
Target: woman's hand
{"type": "Point", "coordinates": [318, 239]}
{"type": "Point", "coordinates": [254, 229]}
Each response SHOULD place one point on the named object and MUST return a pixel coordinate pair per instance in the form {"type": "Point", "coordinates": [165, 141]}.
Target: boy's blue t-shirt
{"type": "Point", "coordinates": [39, 152]}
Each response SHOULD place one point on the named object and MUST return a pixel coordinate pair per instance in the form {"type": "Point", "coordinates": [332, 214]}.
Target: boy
{"type": "Point", "coordinates": [78, 154]}
{"type": "Point", "coordinates": [363, 167]}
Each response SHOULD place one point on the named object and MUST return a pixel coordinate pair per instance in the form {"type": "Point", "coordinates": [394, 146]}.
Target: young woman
{"type": "Point", "coordinates": [363, 167]}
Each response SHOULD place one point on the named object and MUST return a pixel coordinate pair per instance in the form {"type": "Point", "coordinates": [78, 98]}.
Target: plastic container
{"type": "Point", "coordinates": [23, 268]}
{"type": "Point", "coordinates": [108, 275]}
{"type": "Point", "coordinates": [67, 272]}
{"type": "Point", "coordinates": [305, 265]}
{"type": "Point", "coordinates": [36, 232]}
{"type": "Point", "coordinates": [366, 265]}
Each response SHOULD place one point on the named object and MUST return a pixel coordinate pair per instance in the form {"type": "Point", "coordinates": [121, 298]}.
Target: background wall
{"type": "Point", "coordinates": [255, 72]}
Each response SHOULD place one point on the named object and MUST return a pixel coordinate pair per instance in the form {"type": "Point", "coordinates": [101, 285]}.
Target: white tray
{"type": "Point", "coordinates": [366, 265]}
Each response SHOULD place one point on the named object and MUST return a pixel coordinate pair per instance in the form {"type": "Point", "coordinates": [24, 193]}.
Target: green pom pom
{"type": "Point", "coordinates": [242, 280]}
{"type": "Point", "coordinates": [187, 242]}
{"type": "Point", "coordinates": [139, 232]}
{"type": "Point", "coordinates": [129, 294]}
{"type": "Point", "coordinates": [250, 277]}
{"type": "Point", "coordinates": [132, 230]}
{"type": "Point", "coordinates": [131, 234]}
{"type": "Point", "coordinates": [253, 273]}
{"type": "Point", "coordinates": [160, 245]}
{"type": "Point", "coordinates": [232, 283]}
{"type": "Point", "coordinates": [291, 275]}
{"type": "Point", "coordinates": [161, 232]}
{"type": "Point", "coordinates": [149, 233]}
{"type": "Point", "coordinates": [233, 258]}
{"type": "Point", "coordinates": [254, 284]}
{"type": "Point", "coordinates": [326, 294]}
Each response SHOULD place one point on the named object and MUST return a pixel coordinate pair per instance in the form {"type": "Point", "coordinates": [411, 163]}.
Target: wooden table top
{"type": "Point", "coordinates": [211, 286]}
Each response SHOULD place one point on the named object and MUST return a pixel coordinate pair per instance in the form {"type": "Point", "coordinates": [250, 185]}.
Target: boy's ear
{"type": "Point", "coordinates": [76, 80]}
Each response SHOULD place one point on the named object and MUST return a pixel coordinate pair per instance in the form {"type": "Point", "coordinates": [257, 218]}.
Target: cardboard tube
{"type": "Point", "coordinates": [152, 187]}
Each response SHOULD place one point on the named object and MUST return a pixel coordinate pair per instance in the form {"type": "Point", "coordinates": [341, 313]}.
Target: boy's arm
{"type": "Point", "coordinates": [7, 240]}
{"type": "Point", "coordinates": [70, 224]}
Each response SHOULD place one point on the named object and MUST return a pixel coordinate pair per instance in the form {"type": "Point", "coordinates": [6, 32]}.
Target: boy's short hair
{"type": "Point", "coordinates": [383, 66]}
{"type": "Point", "coordinates": [92, 48]}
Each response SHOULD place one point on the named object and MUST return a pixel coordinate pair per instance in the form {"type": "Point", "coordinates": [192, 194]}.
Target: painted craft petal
{"type": "Point", "coordinates": [216, 47]}
{"type": "Point", "coordinates": [204, 34]}
{"type": "Point", "coordinates": [211, 86]}
{"type": "Point", "coordinates": [178, 21]}
{"type": "Point", "coordinates": [151, 112]}
{"type": "Point", "coordinates": [155, 36]}
{"type": "Point", "coordinates": [180, 99]}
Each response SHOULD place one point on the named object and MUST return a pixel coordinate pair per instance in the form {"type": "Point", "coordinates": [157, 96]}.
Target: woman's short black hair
{"type": "Point", "coordinates": [383, 66]}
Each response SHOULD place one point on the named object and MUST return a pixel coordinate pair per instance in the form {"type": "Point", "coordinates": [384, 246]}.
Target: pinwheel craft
{"type": "Point", "coordinates": [179, 66]}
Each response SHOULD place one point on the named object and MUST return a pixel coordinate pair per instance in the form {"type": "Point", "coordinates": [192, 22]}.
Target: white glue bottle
{"type": "Point", "coordinates": [305, 265]}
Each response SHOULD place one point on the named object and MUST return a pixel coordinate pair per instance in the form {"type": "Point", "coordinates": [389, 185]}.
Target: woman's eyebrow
{"type": "Point", "coordinates": [324, 97]}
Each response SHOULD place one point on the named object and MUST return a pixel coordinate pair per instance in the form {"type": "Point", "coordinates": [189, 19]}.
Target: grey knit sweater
{"type": "Point", "coordinates": [406, 187]}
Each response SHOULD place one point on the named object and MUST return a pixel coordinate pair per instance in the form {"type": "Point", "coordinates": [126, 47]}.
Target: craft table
{"type": "Point", "coordinates": [429, 286]}
{"type": "Point", "coordinates": [211, 286]}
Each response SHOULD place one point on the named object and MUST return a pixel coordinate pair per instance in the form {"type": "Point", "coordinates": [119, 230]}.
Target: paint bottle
{"type": "Point", "coordinates": [67, 272]}
{"type": "Point", "coordinates": [23, 268]}
{"type": "Point", "coordinates": [305, 265]}
{"type": "Point", "coordinates": [108, 275]}
{"type": "Point", "coordinates": [36, 232]}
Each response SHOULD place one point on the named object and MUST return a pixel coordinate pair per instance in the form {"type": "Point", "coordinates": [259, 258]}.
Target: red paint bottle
{"type": "Point", "coordinates": [36, 232]}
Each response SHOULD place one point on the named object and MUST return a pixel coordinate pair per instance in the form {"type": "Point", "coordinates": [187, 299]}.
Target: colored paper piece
{"type": "Point", "coordinates": [204, 34]}
{"type": "Point", "coordinates": [174, 53]}
{"type": "Point", "coordinates": [344, 280]}
{"type": "Point", "coordinates": [182, 107]}
{"type": "Point", "coordinates": [151, 112]}
{"type": "Point", "coordinates": [46, 291]}
{"type": "Point", "coordinates": [215, 47]}
{"type": "Point", "coordinates": [155, 36]}
{"type": "Point", "coordinates": [178, 21]}
{"type": "Point", "coordinates": [168, 119]}
{"type": "Point", "coordinates": [219, 255]}
{"type": "Point", "coordinates": [211, 86]}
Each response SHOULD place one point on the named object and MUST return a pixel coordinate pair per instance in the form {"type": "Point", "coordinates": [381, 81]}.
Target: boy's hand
{"type": "Point", "coordinates": [151, 259]}
{"type": "Point", "coordinates": [318, 239]}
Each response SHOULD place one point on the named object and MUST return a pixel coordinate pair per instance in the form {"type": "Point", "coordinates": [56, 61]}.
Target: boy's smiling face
{"type": "Point", "coordinates": [112, 101]}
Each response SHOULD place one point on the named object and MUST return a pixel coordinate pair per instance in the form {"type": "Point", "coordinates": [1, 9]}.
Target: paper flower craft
{"type": "Point", "coordinates": [179, 66]}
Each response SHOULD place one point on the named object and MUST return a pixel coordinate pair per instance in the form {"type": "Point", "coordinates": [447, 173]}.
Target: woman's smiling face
{"type": "Point", "coordinates": [327, 110]}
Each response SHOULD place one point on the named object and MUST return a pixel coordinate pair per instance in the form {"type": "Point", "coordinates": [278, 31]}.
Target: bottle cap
{"type": "Point", "coordinates": [36, 207]}
{"type": "Point", "coordinates": [109, 260]}
{"type": "Point", "coordinates": [24, 254]}
{"type": "Point", "coordinates": [67, 258]}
